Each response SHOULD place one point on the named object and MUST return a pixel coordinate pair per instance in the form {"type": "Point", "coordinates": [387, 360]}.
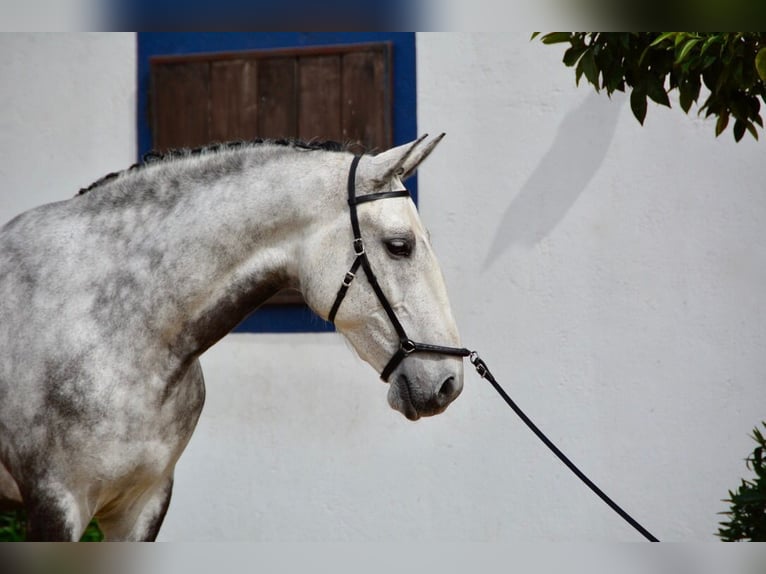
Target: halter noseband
{"type": "Point", "coordinates": [406, 345]}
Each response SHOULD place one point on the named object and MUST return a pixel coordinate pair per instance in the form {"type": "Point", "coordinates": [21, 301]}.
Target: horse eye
{"type": "Point", "coordinates": [399, 247]}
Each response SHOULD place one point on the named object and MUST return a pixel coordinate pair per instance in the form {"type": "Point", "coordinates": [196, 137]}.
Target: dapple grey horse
{"type": "Point", "coordinates": [108, 299]}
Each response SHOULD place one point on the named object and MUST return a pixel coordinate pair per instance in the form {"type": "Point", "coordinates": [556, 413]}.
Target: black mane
{"type": "Point", "coordinates": [154, 156]}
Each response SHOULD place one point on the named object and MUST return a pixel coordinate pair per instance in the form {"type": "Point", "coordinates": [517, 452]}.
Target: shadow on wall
{"type": "Point", "coordinates": [575, 156]}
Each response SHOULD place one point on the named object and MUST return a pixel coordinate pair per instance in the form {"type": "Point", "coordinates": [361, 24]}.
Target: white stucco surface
{"type": "Point", "coordinates": [67, 114]}
{"type": "Point", "coordinates": [610, 274]}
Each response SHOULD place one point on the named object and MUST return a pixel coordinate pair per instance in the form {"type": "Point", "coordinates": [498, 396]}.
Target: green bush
{"type": "Point", "coordinates": [13, 527]}
{"type": "Point", "coordinates": [731, 65]}
{"type": "Point", "coordinates": [747, 515]}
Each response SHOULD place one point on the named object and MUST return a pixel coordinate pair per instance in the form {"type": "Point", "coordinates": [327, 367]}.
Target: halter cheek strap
{"type": "Point", "coordinates": [406, 345]}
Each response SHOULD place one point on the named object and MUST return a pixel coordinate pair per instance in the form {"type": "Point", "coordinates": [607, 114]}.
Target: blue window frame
{"type": "Point", "coordinates": [284, 319]}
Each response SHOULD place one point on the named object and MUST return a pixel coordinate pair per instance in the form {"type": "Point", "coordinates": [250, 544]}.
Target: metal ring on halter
{"type": "Point", "coordinates": [408, 347]}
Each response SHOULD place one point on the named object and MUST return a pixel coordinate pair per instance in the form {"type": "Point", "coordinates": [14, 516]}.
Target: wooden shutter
{"type": "Point", "coordinates": [338, 93]}
{"type": "Point", "coordinates": [334, 93]}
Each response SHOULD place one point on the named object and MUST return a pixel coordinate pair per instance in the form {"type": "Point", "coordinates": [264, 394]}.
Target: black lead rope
{"type": "Point", "coordinates": [407, 346]}
{"type": "Point", "coordinates": [484, 372]}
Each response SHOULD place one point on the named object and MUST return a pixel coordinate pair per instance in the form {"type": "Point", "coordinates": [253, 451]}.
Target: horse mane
{"type": "Point", "coordinates": [154, 156]}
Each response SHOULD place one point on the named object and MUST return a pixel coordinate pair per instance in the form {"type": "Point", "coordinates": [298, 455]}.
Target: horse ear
{"type": "Point", "coordinates": [403, 160]}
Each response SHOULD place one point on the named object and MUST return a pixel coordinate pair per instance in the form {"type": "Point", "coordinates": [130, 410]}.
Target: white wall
{"type": "Point", "coordinates": [612, 275]}
{"type": "Point", "coordinates": [609, 274]}
{"type": "Point", "coordinates": [67, 114]}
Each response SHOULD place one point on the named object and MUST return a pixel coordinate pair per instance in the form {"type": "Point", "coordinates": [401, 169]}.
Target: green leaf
{"type": "Point", "coordinates": [689, 90]}
{"type": "Point", "coordinates": [613, 78]}
{"type": "Point", "coordinates": [739, 130]}
{"type": "Point", "coordinates": [534, 35]}
{"type": "Point", "coordinates": [589, 68]}
{"type": "Point", "coordinates": [662, 37]}
{"type": "Point", "coordinates": [655, 89]}
{"type": "Point", "coordinates": [686, 99]}
{"type": "Point", "coordinates": [760, 64]}
{"type": "Point", "coordinates": [739, 73]}
{"type": "Point", "coordinates": [709, 60]}
{"type": "Point", "coordinates": [643, 55]}
{"type": "Point", "coordinates": [720, 125]}
{"type": "Point", "coordinates": [638, 104]}
{"type": "Point", "coordinates": [556, 38]}
{"type": "Point", "coordinates": [739, 106]}
{"type": "Point", "coordinates": [578, 72]}
{"type": "Point", "coordinates": [753, 132]}
{"type": "Point", "coordinates": [710, 106]}
{"type": "Point", "coordinates": [686, 49]}
{"type": "Point", "coordinates": [709, 42]}
{"type": "Point", "coordinates": [573, 54]}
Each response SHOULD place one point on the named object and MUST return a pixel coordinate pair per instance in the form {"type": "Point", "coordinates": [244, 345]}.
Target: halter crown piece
{"type": "Point", "coordinates": [406, 345]}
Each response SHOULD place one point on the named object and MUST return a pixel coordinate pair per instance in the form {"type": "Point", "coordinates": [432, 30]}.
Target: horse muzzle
{"type": "Point", "coordinates": [415, 395]}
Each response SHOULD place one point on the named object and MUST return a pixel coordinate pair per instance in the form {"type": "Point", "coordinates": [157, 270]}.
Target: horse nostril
{"type": "Point", "coordinates": [448, 391]}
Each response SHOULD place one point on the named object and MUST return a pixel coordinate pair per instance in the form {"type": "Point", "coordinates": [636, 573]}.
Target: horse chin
{"type": "Point", "coordinates": [400, 400]}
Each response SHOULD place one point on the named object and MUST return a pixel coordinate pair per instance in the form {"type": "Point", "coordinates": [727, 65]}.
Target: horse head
{"type": "Point", "coordinates": [372, 271]}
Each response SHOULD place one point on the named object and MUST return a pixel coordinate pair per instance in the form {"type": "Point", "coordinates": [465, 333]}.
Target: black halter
{"type": "Point", "coordinates": [406, 345]}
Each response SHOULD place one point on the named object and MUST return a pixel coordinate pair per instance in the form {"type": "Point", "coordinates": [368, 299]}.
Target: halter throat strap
{"type": "Point", "coordinates": [406, 345]}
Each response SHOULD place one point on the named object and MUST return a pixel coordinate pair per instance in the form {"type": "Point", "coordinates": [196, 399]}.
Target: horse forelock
{"type": "Point", "coordinates": [220, 150]}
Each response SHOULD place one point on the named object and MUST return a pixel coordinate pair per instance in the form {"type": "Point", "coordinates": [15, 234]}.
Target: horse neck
{"type": "Point", "coordinates": [220, 236]}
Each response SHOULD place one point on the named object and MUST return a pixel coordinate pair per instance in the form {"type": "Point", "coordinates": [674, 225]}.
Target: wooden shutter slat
{"type": "Point", "coordinates": [319, 92]}
{"type": "Point", "coordinates": [180, 110]}
{"type": "Point", "coordinates": [277, 110]}
{"type": "Point", "coordinates": [365, 106]}
{"type": "Point", "coordinates": [233, 100]}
